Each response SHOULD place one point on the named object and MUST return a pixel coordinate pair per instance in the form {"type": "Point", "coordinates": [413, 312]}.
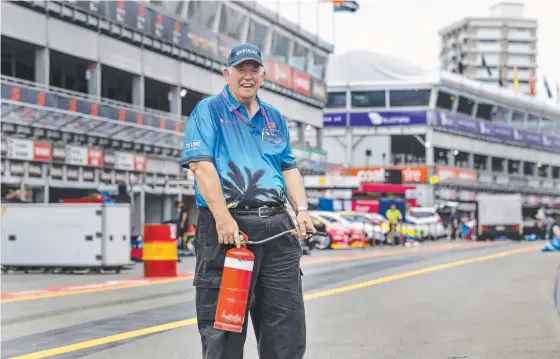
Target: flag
{"type": "Point", "coordinates": [486, 66]}
{"type": "Point", "coordinates": [351, 6]}
{"type": "Point", "coordinates": [531, 84]}
{"type": "Point", "coordinates": [461, 64]}
{"type": "Point", "coordinates": [547, 87]}
{"type": "Point", "coordinates": [502, 80]}
{"type": "Point", "coordinates": [515, 79]}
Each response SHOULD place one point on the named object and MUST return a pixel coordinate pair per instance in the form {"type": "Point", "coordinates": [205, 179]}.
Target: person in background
{"type": "Point", "coordinates": [394, 216]}
{"type": "Point", "coordinates": [182, 217]}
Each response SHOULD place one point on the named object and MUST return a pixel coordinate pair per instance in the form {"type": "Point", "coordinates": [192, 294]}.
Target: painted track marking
{"type": "Point", "coordinates": [325, 293]}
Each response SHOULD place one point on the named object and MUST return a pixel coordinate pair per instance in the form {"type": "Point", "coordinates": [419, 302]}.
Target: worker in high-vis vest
{"type": "Point", "coordinates": [394, 216]}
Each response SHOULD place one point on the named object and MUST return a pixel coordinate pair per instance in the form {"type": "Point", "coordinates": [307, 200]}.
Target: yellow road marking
{"type": "Point", "coordinates": [94, 290]}
{"type": "Point", "coordinates": [188, 322]}
{"type": "Point", "coordinates": [310, 261]}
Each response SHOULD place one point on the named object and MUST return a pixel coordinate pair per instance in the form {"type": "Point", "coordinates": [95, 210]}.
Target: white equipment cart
{"type": "Point", "coordinates": [73, 236]}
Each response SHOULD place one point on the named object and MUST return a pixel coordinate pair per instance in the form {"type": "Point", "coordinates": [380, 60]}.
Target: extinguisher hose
{"type": "Point", "coordinates": [243, 241]}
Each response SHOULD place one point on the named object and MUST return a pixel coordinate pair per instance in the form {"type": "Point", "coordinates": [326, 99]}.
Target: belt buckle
{"type": "Point", "coordinates": [264, 208]}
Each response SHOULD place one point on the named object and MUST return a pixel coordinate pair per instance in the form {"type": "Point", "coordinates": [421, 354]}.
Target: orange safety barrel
{"type": "Point", "coordinates": [160, 250]}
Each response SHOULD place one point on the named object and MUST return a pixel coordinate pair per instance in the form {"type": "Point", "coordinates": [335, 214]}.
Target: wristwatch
{"type": "Point", "coordinates": [300, 208]}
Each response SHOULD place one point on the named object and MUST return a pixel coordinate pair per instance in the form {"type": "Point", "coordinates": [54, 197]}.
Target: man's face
{"type": "Point", "coordinates": [245, 79]}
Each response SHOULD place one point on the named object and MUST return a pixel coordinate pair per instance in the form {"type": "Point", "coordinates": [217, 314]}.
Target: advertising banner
{"type": "Point", "coordinates": [365, 205]}
{"type": "Point", "coordinates": [76, 155]}
{"type": "Point", "coordinates": [465, 124]}
{"type": "Point", "coordinates": [446, 174]}
{"type": "Point", "coordinates": [388, 118]}
{"type": "Point", "coordinates": [19, 149]}
{"type": "Point", "coordinates": [335, 119]}
{"type": "Point", "coordinates": [458, 122]}
{"type": "Point", "coordinates": [552, 142]}
{"type": "Point", "coordinates": [318, 90]}
{"type": "Point", "coordinates": [301, 82]}
{"type": "Point", "coordinates": [279, 74]}
{"type": "Point", "coordinates": [84, 156]}
{"type": "Point", "coordinates": [42, 151]}
{"type": "Point", "coordinates": [410, 174]}
{"type": "Point", "coordinates": [28, 150]}
{"type": "Point", "coordinates": [125, 161]}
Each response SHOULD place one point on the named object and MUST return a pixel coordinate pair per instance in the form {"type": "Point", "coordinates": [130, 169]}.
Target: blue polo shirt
{"type": "Point", "coordinates": [249, 154]}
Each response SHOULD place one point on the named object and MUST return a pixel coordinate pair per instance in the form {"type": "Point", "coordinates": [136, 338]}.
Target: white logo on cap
{"type": "Point", "coordinates": [246, 51]}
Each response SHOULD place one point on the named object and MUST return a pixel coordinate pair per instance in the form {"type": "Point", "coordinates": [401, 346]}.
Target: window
{"type": "Point", "coordinates": [232, 22]}
{"type": "Point", "coordinates": [533, 122]}
{"type": "Point", "coordinates": [546, 125]}
{"type": "Point", "coordinates": [336, 100]}
{"type": "Point", "coordinates": [518, 118]}
{"type": "Point", "coordinates": [445, 100]}
{"type": "Point", "coordinates": [203, 12]}
{"type": "Point", "coordinates": [257, 34]}
{"type": "Point", "coordinates": [501, 114]}
{"type": "Point", "coordinates": [409, 98]}
{"type": "Point", "coordinates": [280, 48]}
{"type": "Point", "coordinates": [318, 66]}
{"type": "Point", "coordinates": [465, 105]}
{"type": "Point", "coordinates": [18, 59]}
{"type": "Point", "coordinates": [485, 111]}
{"type": "Point", "coordinates": [368, 98]}
{"type": "Point", "coordinates": [299, 58]}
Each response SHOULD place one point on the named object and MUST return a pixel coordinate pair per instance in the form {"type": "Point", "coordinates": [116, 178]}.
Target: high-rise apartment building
{"type": "Point", "coordinates": [494, 49]}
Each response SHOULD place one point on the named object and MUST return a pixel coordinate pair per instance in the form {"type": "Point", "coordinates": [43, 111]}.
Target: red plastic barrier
{"type": "Point", "coordinates": [160, 250]}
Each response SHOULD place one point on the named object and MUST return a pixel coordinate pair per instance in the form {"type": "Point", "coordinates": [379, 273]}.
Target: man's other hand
{"type": "Point", "coordinates": [228, 231]}
{"type": "Point", "coordinates": [304, 224]}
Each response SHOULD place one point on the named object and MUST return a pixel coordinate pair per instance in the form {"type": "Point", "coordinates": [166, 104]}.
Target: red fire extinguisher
{"type": "Point", "coordinates": [236, 284]}
{"type": "Point", "coordinates": [234, 290]}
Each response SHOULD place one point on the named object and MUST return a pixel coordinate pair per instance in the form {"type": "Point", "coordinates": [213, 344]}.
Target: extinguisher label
{"type": "Point", "coordinates": [238, 264]}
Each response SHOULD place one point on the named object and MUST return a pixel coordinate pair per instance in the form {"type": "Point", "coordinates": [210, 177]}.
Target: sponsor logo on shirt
{"type": "Point", "coordinates": [191, 146]}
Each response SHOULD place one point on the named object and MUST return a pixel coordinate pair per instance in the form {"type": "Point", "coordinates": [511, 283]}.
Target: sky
{"type": "Point", "coordinates": [408, 29]}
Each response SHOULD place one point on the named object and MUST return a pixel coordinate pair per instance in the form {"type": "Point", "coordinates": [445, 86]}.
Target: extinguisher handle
{"type": "Point", "coordinates": [245, 239]}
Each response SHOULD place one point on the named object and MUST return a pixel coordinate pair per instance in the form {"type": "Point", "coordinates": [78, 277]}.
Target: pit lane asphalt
{"type": "Point", "coordinates": [500, 308]}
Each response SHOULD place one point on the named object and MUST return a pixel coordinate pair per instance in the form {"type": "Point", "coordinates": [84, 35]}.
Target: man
{"type": "Point", "coordinates": [238, 148]}
{"type": "Point", "coordinates": [182, 215]}
{"type": "Point", "coordinates": [394, 216]}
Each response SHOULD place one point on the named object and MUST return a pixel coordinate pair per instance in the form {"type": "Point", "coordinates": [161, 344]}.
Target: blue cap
{"type": "Point", "coordinates": [244, 52]}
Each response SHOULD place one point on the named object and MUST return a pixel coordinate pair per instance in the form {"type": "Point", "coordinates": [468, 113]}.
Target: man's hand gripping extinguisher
{"type": "Point", "coordinates": [236, 283]}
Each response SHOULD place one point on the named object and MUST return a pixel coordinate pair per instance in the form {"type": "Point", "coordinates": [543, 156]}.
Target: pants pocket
{"type": "Point", "coordinates": [206, 299]}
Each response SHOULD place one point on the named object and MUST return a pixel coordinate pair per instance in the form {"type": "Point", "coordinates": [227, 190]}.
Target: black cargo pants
{"type": "Point", "coordinates": [275, 300]}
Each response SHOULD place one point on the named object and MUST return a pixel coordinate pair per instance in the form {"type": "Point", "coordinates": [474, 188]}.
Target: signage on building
{"type": "Point", "coordinates": [336, 119]}
{"type": "Point", "coordinates": [130, 162]}
{"type": "Point", "coordinates": [318, 90]}
{"type": "Point", "coordinates": [19, 149]}
{"type": "Point", "coordinates": [280, 74]}
{"type": "Point", "coordinates": [450, 174]}
{"type": "Point", "coordinates": [409, 174]}
{"type": "Point", "coordinates": [28, 150]}
{"type": "Point", "coordinates": [388, 118]}
{"type": "Point", "coordinates": [301, 82]}
{"type": "Point", "coordinates": [376, 118]}
{"type": "Point", "coordinates": [459, 123]}
{"type": "Point", "coordinates": [331, 182]}
{"type": "Point", "coordinates": [365, 205]}
{"type": "Point", "coordinates": [84, 156]}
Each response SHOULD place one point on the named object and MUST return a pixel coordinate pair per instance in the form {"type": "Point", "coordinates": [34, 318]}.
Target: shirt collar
{"type": "Point", "coordinates": [233, 103]}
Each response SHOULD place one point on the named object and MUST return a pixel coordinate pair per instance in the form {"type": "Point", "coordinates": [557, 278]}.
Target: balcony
{"type": "Point", "coordinates": [83, 104]}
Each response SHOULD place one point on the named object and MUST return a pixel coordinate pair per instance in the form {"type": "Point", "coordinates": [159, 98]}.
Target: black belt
{"type": "Point", "coordinates": [260, 211]}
